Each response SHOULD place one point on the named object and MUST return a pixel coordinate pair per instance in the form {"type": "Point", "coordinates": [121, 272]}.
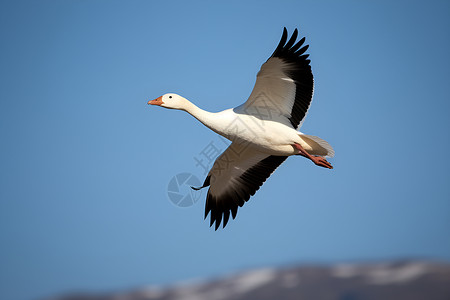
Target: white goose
{"type": "Point", "coordinates": [263, 130]}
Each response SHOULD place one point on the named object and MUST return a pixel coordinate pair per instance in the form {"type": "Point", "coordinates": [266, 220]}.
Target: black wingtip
{"type": "Point", "coordinates": [217, 225]}
{"type": "Point", "coordinates": [226, 205]}
{"type": "Point", "coordinates": [283, 40]}
{"type": "Point", "coordinates": [206, 183]}
{"type": "Point", "coordinates": [287, 48]}
{"type": "Point", "coordinates": [234, 212]}
{"type": "Point", "coordinates": [226, 216]}
{"type": "Point", "coordinates": [298, 45]}
{"type": "Point", "coordinates": [291, 41]}
{"type": "Point", "coordinates": [302, 50]}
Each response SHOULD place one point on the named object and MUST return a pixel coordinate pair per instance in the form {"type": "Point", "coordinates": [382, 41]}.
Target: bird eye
{"type": "Point", "coordinates": [170, 97]}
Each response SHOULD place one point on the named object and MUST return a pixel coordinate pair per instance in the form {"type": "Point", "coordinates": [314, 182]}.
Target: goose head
{"type": "Point", "coordinates": [170, 100]}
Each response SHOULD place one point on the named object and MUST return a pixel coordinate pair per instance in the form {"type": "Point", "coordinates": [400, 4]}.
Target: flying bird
{"type": "Point", "coordinates": [263, 131]}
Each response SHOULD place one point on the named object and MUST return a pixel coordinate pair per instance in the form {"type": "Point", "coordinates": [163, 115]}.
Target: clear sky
{"type": "Point", "coordinates": [85, 163]}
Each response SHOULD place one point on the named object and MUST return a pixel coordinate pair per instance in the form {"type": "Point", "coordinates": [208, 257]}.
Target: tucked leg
{"type": "Point", "coordinates": [318, 160]}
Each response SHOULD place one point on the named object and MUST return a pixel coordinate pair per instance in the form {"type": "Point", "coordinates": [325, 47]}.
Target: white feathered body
{"type": "Point", "coordinates": [268, 136]}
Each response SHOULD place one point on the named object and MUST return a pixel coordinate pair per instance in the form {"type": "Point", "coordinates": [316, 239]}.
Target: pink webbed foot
{"type": "Point", "coordinates": [322, 162]}
{"type": "Point", "coordinates": [318, 160]}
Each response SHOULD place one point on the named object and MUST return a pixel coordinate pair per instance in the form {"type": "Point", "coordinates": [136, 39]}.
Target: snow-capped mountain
{"type": "Point", "coordinates": [388, 281]}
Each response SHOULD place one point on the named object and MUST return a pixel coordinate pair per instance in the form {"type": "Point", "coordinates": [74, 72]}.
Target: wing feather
{"type": "Point", "coordinates": [284, 86]}
{"type": "Point", "coordinates": [235, 176]}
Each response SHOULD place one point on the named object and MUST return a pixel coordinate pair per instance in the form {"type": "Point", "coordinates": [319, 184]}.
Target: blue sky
{"type": "Point", "coordinates": [85, 163]}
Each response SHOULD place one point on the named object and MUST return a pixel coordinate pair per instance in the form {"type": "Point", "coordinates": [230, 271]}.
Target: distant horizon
{"type": "Point", "coordinates": [388, 279]}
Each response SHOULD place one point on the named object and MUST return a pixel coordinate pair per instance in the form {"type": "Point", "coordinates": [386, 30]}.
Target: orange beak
{"type": "Point", "coordinates": [157, 101]}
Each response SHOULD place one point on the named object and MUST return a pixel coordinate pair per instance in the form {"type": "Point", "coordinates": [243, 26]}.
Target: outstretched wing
{"type": "Point", "coordinates": [235, 176]}
{"type": "Point", "coordinates": [284, 86]}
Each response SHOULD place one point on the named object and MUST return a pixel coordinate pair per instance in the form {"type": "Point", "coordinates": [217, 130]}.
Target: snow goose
{"type": "Point", "coordinates": [263, 131]}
